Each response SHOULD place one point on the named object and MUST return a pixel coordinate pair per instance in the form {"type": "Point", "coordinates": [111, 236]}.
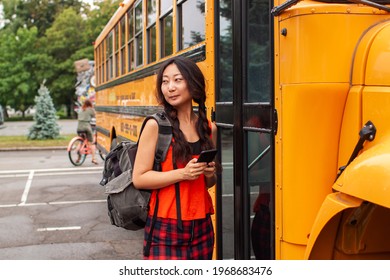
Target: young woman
{"type": "Point", "coordinates": [179, 82]}
{"type": "Point", "coordinates": [86, 114]}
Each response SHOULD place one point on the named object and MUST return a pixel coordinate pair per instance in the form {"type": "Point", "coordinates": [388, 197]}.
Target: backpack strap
{"type": "Point", "coordinates": [163, 143]}
{"type": "Point", "coordinates": [111, 156]}
{"type": "Point", "coordinates": [150, 235]}
{"type": "Point", "coordinates": [178, 205]}
{"type": "Point", "coordinates": [164, 138]}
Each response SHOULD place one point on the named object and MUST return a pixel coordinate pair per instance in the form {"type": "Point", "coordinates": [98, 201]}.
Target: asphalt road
{"type": "Point", "coordinates": [51, 210]}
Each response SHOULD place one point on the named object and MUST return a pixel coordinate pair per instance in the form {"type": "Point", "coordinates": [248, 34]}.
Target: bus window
{"type": "Point", "coordinates": [259, 56]}
{"type": "Point", "coordinates": [166, 35]}
{"type": "Point", "coordinates": [109, 58]}
{"type": "Point", "coordinates": [191, 26]}
{"type": "Point", "coordinates": [130, 42]}
{"type": "Point", "coordinates": [117, 42]}
{"type": "Point", "coordinates": [139, 50]}
{"type": "Point", "coordinates": [166, 31]}
{"type": "Point", "coordinates": [103, 61]}
{"type": "Point", "coordinates": [98, 62]}
{"type": "Point", "coordinates": [259, 182]}
{"type": "Point", "coordinates": [152, 9]}
{"type": "Point", "coordinates": [138, 34]}
{"type": "Point", "coordinates": [151, 30]}
{"type": "Point", "coordinates": [227, 192]}
{"type": "Point", "coordinates": [123, 44]}
{"type": "Point", "coordinates": [226, 54]}
{"type": "Point", "coordinates": [152, 44]}
{"type": "Point", "coordinates": [165, 5]}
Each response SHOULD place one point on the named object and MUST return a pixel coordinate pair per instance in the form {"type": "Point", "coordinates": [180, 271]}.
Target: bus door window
{"type": "Point", "coordinates": [259, 182]}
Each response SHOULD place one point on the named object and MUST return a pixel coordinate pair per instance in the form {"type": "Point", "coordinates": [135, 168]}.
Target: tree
{"type": "Point", "coordinates": [99, 17]}
{"type": "Point", "coordinates": [42, 39]}
{"type": "Point", "coordinates": [20, 62]}
{"type": "Point", "coordinates": [45, 118]}
{"type": "Point", "coordinates": [62, 41]}
{"type": "Point", "coordinates": [38, 13]}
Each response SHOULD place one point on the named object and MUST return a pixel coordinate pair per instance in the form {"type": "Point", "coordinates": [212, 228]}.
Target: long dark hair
{"type": "Point", "coordinates": [197, 88]}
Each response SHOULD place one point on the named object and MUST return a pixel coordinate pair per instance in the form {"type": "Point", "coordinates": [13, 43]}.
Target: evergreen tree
{"type": "Point", "coordinates": [45, 118]}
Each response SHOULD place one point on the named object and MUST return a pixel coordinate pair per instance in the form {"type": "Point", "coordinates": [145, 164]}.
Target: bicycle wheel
{"type": "Point", "coordinates": [76, 154]}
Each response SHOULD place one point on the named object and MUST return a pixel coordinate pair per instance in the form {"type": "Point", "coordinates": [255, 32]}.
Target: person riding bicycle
{"type": "Point", "coordinates": [86, 114]}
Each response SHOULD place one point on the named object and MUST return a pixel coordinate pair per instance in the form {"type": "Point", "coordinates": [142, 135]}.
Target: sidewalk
{"type": "Point", "coordinates": [22, 128]}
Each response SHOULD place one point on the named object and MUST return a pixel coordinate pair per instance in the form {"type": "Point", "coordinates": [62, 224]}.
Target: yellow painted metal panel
{"type": "Point", "coordinates": [352, 123]}
{"type": "Point", "coordinates": [372, 56]}
{"type": "Point", "coordinates": [378, 64]}
{"type": "Point", "coordinates": [313, 65]}
{"type": "Point", "coordinates": [310, 121]}
{"type": "Point", "coordinates": [292, 251]}
{"type": "Point", "coordinates": [368, 176]}
{"type": "Point", "coordinates": [312, 51]}
{"type": "Point", "coordinates": [376, 108]}
{"type": "Point", "coordinates": [333, 204]}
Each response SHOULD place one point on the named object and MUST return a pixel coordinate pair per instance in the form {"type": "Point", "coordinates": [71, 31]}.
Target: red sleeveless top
{"type": "Point", "coordinates": [195, 199]}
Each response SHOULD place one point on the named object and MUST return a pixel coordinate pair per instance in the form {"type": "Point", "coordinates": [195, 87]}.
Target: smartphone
{"type": "Point", "coordinates": [207, 156]}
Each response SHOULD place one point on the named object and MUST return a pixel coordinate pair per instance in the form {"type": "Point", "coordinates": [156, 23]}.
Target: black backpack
{"type": "Point", "coordinates": [127, 206]}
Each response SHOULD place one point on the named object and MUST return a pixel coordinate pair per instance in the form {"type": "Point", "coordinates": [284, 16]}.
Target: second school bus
{"type": "Point", "coordinates": [300, 92]}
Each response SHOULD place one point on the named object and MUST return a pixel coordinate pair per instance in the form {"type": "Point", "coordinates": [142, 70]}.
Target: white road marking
{"type": "Point", "coordinates": [33, 204]}
{"type": "Point", "coordinates": [48, 172]}
{"type": "Point", "coordinates": [8, 205]}
{"type": "Point", "coordinates": [58, 228]}
{"type": "Point", "coordinates": [68, 173]}
{"type": "Point", "coordinates": [13, 176]}
{"type": "Point", "coordinates": [75, 202]}
{"type": "Point", "coordinates": [51, 174]}
{"type": "Point", "coordinates": [53, 203]}
{"type": "Point", "coordinates": [27, 188]}
{"type": "Point", "coordinates": [51, 170]}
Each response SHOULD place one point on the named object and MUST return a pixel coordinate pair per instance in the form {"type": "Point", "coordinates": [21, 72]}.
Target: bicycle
{"type": "Point", "coordinates": [79, 147]}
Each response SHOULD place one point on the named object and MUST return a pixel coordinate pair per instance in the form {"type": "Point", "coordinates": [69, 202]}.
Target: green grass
{"type": "Point", "coordinates": [22, 141]}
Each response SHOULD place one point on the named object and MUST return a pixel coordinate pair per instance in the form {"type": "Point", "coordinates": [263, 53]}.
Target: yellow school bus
{"type": "Point", "coordinates": [300, 92]}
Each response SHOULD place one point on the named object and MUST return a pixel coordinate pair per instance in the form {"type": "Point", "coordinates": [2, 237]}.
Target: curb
{"type": "Point", "coordinates": [31, 149]}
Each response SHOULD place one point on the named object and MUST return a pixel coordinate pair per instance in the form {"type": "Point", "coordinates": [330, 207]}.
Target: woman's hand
{"type": "Point", "coordinates": [194, 169]}
{"type": "Point", "coordinates": [209, 174]}
{"type": "Point", "coordinates": [209, 171]}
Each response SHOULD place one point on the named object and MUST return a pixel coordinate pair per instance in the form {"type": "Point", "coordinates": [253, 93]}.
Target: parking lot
{"type": "Point", "coordinates": [52, 210]}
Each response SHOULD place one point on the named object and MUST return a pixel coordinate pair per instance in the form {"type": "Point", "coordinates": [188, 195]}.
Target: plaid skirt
{"type": "Point", "coordinates": [194, 242]}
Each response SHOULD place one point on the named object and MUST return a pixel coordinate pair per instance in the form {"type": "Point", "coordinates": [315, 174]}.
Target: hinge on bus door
{"type": "Point", "coordinates": [367, 133]}
{"type": "Point", "coordinates": [275, 120]}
